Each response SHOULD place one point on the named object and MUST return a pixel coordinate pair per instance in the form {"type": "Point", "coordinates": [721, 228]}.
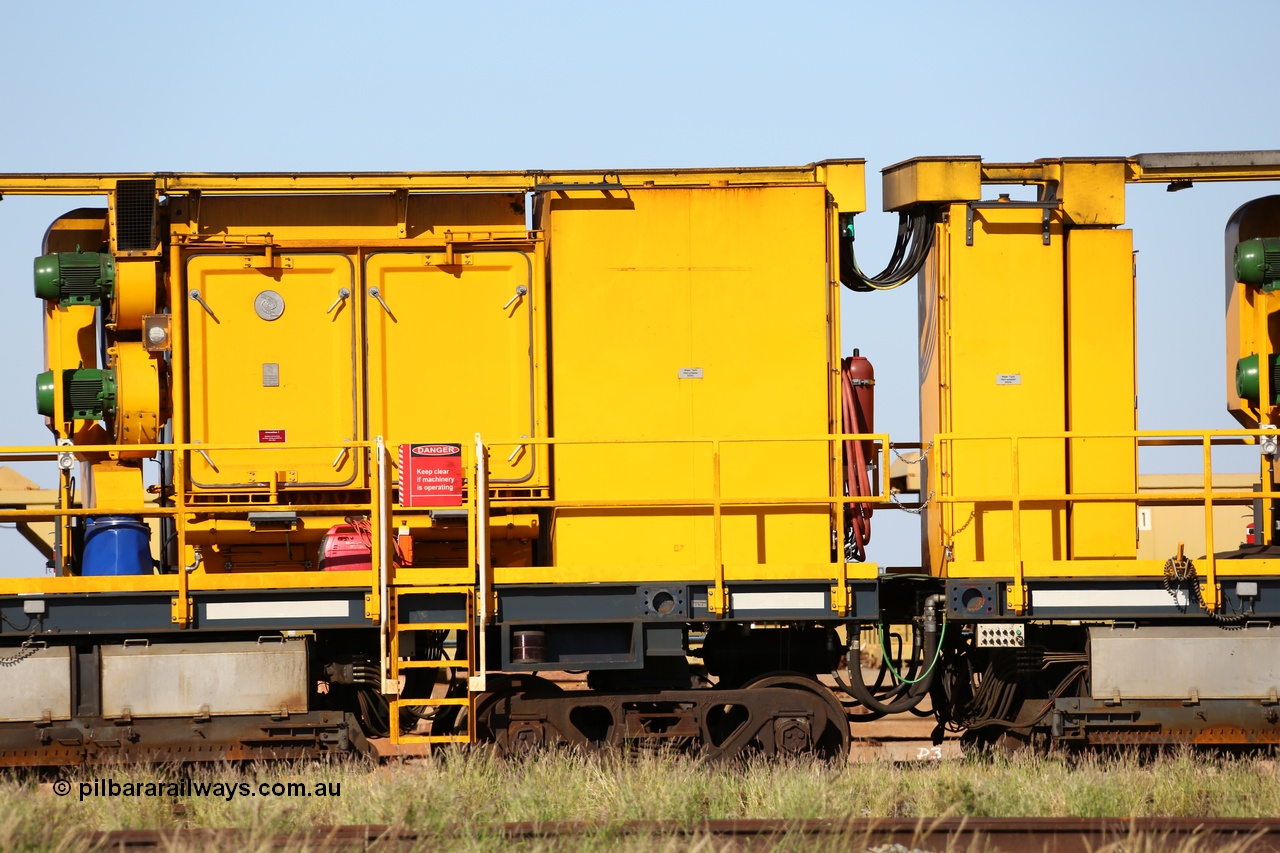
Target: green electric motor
{"type": "Point", "coordinates": [75, 278]}
{"type": "Point", "coordinates": [1258, 262]}
{"type": "Point", "coordinates": [88, 394]}
{"type": "Point", "coordinates": [1247, 378]}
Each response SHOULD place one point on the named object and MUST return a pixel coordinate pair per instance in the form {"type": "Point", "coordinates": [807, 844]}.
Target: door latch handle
{"type": "Point", "coordinates": [195, 294]}
{"type": "Point", "coordinates": [339, 459]}
{"type": "Point", "coordinates": [343, 295]}
{"type": "Point", "coordinates": [377, 294]}
{"type": "Point", "coordinates": [520, 291]}
{"type": "Point", "coordinates": [515, 454]}
{"type": "Point", "coordinates": [206, 455]}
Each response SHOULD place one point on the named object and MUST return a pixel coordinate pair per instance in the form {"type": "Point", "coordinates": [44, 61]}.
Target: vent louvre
{"type": "Point", "coordinates": [1271, 257]}
{"type": "Point", "coordinates": [81, 284]}
{"type": "Point", "coordinates": [85, 395]}
{"type": "Point", "coordinates": [136, 215]}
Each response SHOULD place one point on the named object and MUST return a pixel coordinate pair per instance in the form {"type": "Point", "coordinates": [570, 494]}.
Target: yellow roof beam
{"type": "Point", "coordinates": [824, 171]}
{"type": "Point", "coordinates": [1191, 166]}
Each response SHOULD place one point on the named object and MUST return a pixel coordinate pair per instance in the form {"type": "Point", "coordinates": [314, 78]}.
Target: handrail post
{"type": "Point", "coordinates": [840, 589]}
{"type": "Point", "coordinates": [1264, 532]}
{"type": "Point", "coordinates": [390, 686]}
{"type": "Point", "coordinates": [1017, 591]}
{"type": "Point", "coordinates": [178, 427]}
{"type": "Point", "coordinates": [1209, 595]}
{"type": "Point", "coordinates": [717, 601]}
{"type": "Point", "coordinates": [480, 498]}
{"type": "Point", "coordinates": [61, 567]}
{"type": "Point", "coordinates": [182, 604]}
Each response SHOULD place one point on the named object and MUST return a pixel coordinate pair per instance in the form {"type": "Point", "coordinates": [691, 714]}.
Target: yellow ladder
{"type": "Point", "coordinates": [465, 660]}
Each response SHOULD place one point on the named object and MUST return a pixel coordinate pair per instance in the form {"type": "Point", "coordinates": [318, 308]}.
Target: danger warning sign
{"type": "Point", "coordinates": [430, 475]}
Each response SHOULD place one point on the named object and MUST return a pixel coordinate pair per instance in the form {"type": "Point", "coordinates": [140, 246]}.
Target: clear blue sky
{"type": "Point", "coordinates": [503, 85]}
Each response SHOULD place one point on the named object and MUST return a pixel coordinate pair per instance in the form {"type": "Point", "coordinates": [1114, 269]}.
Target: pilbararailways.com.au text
{"type": "Point", "coordinates": [191, 788]}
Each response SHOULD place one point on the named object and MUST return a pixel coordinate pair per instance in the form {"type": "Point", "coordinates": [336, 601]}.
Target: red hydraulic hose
{"type": "Point", "coordinates": [855, 461]}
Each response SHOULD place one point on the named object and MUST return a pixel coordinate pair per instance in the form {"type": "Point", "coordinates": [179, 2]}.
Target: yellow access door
{"type": "Point", "coordinates": [272, 364]}
{"type": "Point", "coordinates": [454, 350]}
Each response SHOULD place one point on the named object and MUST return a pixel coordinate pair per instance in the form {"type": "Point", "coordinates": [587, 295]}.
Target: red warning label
{"type": "Point", "coordinates": [270, 436]}
{"type": "Point", "coordinates": [430, 475]}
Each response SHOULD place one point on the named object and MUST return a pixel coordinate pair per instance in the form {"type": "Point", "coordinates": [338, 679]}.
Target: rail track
{"type": "Point", "coordinates": [1009, 835]}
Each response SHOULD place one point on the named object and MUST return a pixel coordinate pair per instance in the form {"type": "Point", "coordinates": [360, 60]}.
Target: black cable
{"type": "Point", "coordinates": [915, 693]}
{"type": "Point", "coordinates": [910, 251]}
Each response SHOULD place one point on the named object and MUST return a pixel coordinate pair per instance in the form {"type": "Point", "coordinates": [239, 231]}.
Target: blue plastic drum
{"type": "Point", "coordinates": [116, 545]}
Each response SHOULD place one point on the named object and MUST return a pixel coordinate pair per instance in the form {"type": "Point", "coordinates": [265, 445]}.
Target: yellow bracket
{"type": "Point", "coordinates": [717, 600]}
{"type": "Point", "coordinates": [402, 212]}
{"type": "Point", "coordinates": [1016, 595]}
{"type": "Point", "coordinates": [372, 611]}
{"type": "Point", "coordinates": [841, 598]}
{"type": "Point", "coordinates": [181, 613]}
{"type": "Point", "coordinates": [268, 260]}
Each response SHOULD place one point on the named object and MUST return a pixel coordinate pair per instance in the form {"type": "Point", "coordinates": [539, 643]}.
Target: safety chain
{"type": "Point", "coordinates": [915, 461]}
{"type": "Point", "coordinates": [1180, 570]}
{"type": "Point", "coordinates": [948, 551]}
{"type": "Point", "coordinates": [893, 496]}
{"type": "Point", "coordinates": [914, 510]}
{"type": "Point", "coordinates": [26, 650]}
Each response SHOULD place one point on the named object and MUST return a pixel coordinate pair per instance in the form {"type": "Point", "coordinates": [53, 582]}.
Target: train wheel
{"type": "Point", "coordinates": [493, 718]}
{"type": "Point", "coordinates": [828, 737]}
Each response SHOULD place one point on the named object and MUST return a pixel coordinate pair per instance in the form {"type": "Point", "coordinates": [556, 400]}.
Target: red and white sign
{"type": "Point", "coordinates": [430, 475]}
{"type": "Point", "coordinates": [270, 436]}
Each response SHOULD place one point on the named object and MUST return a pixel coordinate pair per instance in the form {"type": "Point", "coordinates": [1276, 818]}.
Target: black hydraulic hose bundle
{"type": "Point", "coordinates": [911, 690]}
{"type": "Point", "coordinates": [910, 251]}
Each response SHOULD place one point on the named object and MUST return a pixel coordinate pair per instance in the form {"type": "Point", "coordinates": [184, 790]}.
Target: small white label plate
{"type": "Point", "coordinates": [1008, 378]}
{"type": "Point", "coordinates": [691, 373]}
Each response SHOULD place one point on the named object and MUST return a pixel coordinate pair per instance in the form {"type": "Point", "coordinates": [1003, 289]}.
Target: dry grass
{"type": "Point", "coordinates": [476, 790]}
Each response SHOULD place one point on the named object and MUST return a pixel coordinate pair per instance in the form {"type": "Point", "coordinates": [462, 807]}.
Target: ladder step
{"type": "Point", "coordinates": [432, 664]}
{"type": "Point", "coordinates": [434, 739]}
{"type": "Point", "coordinates": [462, 702]}
{"type": "Point", "coordinates": [432, 626]}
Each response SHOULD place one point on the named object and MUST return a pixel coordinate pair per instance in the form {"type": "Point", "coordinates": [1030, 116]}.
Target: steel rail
{"type": "Point", "coordinates": [1011, 835]}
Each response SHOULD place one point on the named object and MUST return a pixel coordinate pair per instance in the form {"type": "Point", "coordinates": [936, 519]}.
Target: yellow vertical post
{"type": "Point", "coordinates": [835, 408]}
{"type": "Point", "coordinates": [1263, 338]}
{"type": "Point", "coordinates": [373, 599]}
{"type": "Point", "coordinates": [380, 556]}
{"type": "Point", "coordinates": [1210, 593]}
{"type": "Point", "coordinates": [480, 624]}
{"type": "Point", "coordinates": [717, 603]}
{"type": "Point", "coordinates": [1260, 317]}
{"type": "Point", "coordinates": [840, 589]}
{"type": "Point", "coordinates": [1017, 592]}
{"type": "Point", "coordinates": [469, 455]}
{"type": "Point", "coordinates": [59, 431]}
{"type": "Point", "coordinates": [1263, 536]}
{"type": "Point", "coordinates": [476, 667]}
{"type": "Point", "coordinates": [178, 424]}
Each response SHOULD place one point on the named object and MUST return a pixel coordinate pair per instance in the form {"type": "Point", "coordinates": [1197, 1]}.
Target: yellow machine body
{"type": "Point", "coordinates": [627, 393]}
{"type": "Point", "coordinates": [1028, 365]}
